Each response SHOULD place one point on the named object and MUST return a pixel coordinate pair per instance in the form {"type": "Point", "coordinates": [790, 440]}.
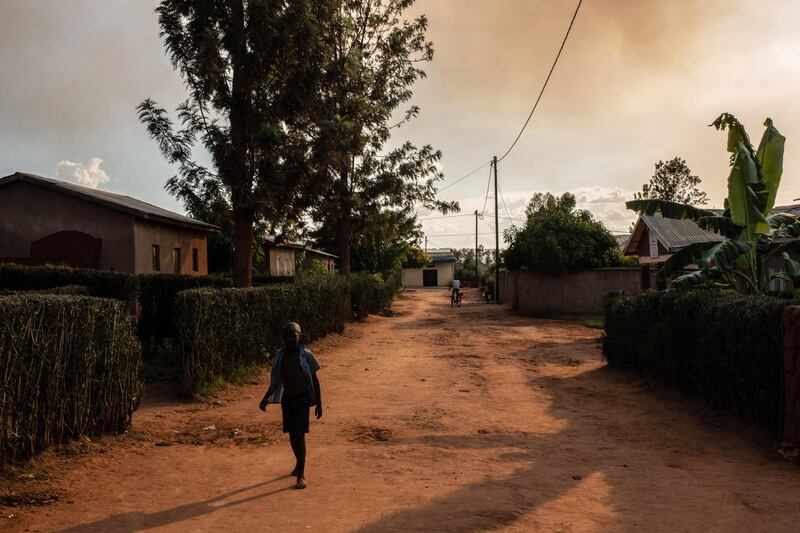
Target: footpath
{"type": "Point", "coordinates": [436, 419]}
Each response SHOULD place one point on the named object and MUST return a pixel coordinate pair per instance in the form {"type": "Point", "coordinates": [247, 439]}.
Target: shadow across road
{"type": "Point", "coordinates": [138, 521]}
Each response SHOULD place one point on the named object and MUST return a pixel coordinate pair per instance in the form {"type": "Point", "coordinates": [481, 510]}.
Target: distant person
{"type": "Point", "coordinates": [294, 384]}
{"type": "Point", "coordinates": [455, 286]}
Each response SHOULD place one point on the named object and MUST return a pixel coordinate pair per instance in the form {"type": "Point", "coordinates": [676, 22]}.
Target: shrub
{"type": "Point", "coordinates": [98, 283]}
{"type": "Point", "coordinates": [157, 294]}
{"type": "Point", "coordinates": [68, 367]}
{"type": "Point", "coordinates": [725, 347]}
{"type": "Point", "coordinates": [223, 331]}
{"type": "Point", "coordinates": [370, 293]}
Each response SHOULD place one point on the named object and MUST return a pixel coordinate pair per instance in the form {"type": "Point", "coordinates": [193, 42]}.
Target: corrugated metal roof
{"type": "Point", "coordinates": [109, 199]}
{"type": "Point", "coordinates": [675, 234]}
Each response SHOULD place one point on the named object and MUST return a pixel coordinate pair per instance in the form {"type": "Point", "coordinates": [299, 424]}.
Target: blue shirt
{"type": "Point", "coordinates": [307, 363]}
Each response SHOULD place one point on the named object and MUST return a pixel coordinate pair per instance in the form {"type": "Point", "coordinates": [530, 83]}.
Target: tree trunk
{"type": "Point", "coordinates": [242, 249]}
{"type": "Point", "coordinates": [344, 242]}
{"type": "Point", "coordinates": [344, 225]}
{"type": "Point", "coordinates": [238, 172]}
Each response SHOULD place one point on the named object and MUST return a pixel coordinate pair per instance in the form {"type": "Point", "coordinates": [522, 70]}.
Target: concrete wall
{"type": "Point", "coordinates": [791, 363]}
{"type": "Point", "coordinates": [147, 234]}
{"type": "Point", "coordinates": [29, 213]}
{"type": "Point", "coordinates": [576, 292]}
{"type": "Point", "coordinates": [281, 261]}
{"type": "Point", "coordinates": [413, 277]}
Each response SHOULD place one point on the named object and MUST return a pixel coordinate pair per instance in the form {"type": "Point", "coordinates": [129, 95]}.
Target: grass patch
{"type": "Point", "coordinates": [594, 324]}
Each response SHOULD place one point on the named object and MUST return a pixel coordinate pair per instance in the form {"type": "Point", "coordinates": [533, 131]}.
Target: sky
{"type": "Point", "coordinates": [639, 81]}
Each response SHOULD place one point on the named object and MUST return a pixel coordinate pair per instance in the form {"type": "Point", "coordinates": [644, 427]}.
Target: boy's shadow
{"type": "Point", "coordinates": [137, 521]}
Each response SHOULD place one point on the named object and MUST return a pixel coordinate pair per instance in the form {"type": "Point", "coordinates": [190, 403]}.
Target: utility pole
{"type": "Point", "coordinates": [477, 279]}
{"type": "Point", "coordinates": [426, 244]}
{"type": "Point", "coordinates": [496, 239]}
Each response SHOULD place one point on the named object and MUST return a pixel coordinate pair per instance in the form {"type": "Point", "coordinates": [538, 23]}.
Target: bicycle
{"type": "Point", "coordinates": [455, 298]}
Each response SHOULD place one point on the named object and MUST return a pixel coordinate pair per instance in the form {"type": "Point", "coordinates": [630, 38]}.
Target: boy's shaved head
{"type": "Point", "coordinates": [290, 328]}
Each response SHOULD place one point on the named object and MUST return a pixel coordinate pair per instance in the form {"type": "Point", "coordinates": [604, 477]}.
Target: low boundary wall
{"type": "Point", "coordinates": [576, 292]}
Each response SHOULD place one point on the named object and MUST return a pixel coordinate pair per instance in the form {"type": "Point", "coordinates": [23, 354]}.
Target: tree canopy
{"type": "Point", "coordinates": [673, 181]}
{"type": "Point", "coordinates": [558, 238]}
{"type": "Point", "coordinates": [375, 59]}
{"type": "Point", "coordinates": [252, 69]}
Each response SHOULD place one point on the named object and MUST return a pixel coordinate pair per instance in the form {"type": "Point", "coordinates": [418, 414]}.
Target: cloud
{"type": "Point", "coordinates": [89, 175]}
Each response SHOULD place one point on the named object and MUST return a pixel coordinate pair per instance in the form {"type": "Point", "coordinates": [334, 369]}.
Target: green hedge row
{"type": "Point", "coordinates": [156, 293]}
{"type": "Point", "coordinates": [103, 284]}
{"type": "Point", "coordinates": [68, 366]}
{"type": "Point", "coordinates": [724, 347]}
{"type": "Point", "coordinates": [223, 332]}
{"type": "Point", "coordinates": [371, 293]}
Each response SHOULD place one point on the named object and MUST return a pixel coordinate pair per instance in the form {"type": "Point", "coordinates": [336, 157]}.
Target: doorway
{"type": "Point", "coordinates": [430, 278]}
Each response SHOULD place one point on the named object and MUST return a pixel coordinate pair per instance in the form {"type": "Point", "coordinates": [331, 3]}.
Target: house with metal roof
{"type": "Point", "coordinates": [654, 239]}
{"type": "Point", "coordinates": [440, 272]}
{"type": "Point", "coordinates": [49, 221]}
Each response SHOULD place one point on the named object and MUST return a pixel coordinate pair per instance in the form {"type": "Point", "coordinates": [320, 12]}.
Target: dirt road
{"type": "Point", "coordinates": [436, 419]}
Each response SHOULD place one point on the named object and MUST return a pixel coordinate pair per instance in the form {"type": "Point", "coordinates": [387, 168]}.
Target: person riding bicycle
{"type": "Point", "coordinates": [455, 288]}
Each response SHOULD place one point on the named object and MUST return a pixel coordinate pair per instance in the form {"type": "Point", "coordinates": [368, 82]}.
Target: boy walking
{"type": "Point", "coordinates": [294, 384]}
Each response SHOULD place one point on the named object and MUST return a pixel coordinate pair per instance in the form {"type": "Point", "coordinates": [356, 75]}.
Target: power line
{"type": "Point", "coordinates": [457, 234]}
{"type": "Point", "coordinates": [462, 178]}
{"type": "Point", "coordinates": [544, 86]}
{"type": "Point", "coordinates": [486, 198]}
{"type": "Point", "coordinates": [447, 216]}
{"type": "Point", "coordinates": [504, 202]}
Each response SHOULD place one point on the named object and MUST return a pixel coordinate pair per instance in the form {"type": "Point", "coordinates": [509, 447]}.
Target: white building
{"type": "Point", "coordinates": [439, 273]}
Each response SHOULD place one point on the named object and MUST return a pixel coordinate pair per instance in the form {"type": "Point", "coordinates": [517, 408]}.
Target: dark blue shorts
{"type": "Point", "coordinates": [295, 413]}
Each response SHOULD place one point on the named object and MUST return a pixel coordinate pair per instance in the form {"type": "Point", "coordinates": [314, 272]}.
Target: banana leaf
{"type": "Point", "coordinates": [696, 279]}
{"type": "Point", "coordinates": [770, 156]}
{"type": "Point", "coordinates": [779, 220]}
{"type": "Point", "coordinates": [668, 209]}
{"type": "Point", "coordinates": [742, 200]}
{"type": "Point", "coordinates": [790, 231]}
{"type": "Point", "coordinates": [725, 255]}
{"type": "Point", "coordinates": [685, 256]}
{"type": "Point", "coordinates": [720, 224]}
{"type": "Point", "coordinates": [736, 132]}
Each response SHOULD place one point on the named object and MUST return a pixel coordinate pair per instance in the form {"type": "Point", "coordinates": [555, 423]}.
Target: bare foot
{"type": "Point", "coordinates": [301, 483]}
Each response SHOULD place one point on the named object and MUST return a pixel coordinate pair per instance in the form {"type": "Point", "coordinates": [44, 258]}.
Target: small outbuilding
{"type": "Point", "coordinates": [440, 272]}
{"type": "Point", "coordinates": [281, 257]}
{"type": "Point", "coordinates": [47, 221]}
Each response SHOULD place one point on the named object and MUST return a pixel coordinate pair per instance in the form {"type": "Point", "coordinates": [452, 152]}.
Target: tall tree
{"type": "Point", "coordinates": [252, 69]}
{"type": "Point", "coordinates": [374, 61]}
{"type": "Point", "coordinates": [558, 238]}
{"type": "Point", "coordinates": [673, 182]}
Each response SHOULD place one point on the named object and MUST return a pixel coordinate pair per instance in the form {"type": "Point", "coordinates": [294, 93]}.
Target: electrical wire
{"type": "Point", "coordinates": [504, 202]}
{"type": "Point", "coordinates": [488, 184]}
{"type": "Point", "coordinates": [448, 216]}
{"type": "Point", "coordinates": [457, 235]}
{"type": "Point", "coordinates": [544, 86]}
{"type": "Point", "coordinates": [462, 178]}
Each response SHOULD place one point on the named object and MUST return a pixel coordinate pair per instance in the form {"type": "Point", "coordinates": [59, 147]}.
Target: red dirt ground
{"type": "Point", "coordinates": [436, 419]}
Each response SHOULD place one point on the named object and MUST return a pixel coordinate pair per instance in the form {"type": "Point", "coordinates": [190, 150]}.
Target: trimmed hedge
{"type": "Point", "coordinates": [156, 292]}
{"type": "Point", "coordinates": [371, 293]}
{"type": "Point", "coordinates": [223, 332]}
{"type": "Point", "coordinates": [68, 366]}
{"type": "Point", "coordinates": [103, 284]}
{"type": "Point", "coordinates": [724, 347]}
{"type": "Point", "coordinates": [157, 295]}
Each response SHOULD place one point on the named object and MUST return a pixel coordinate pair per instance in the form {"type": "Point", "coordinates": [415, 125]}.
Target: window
{"type": "Point", "coordinates": [195, 260]}
{"type": "Point", "coordinates": [176, 260]}
{"type": "Point", "coordinates": [156, 258]}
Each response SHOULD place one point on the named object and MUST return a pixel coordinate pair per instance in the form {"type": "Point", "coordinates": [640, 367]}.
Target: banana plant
{"type": "Point", "coordinates": [752, 234]}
